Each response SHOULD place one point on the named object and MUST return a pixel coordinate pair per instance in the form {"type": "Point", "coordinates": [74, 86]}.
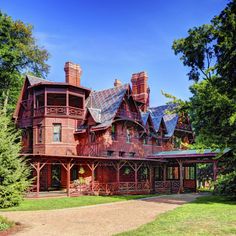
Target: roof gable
{"type": "Point", "coordinates": [106, 103]}
{"type": "Point", "coordinates": [161, 112]}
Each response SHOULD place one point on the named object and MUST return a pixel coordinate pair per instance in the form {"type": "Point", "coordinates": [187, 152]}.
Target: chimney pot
{"type": "Point", "coordinates": [117, 83]}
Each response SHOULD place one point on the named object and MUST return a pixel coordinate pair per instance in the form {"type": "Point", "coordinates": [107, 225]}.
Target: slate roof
{"type": "Point", "coordinates": [103, 105]}
{"type": "Point", "coordinates": [35, 80]}
{"type": "Point", "coordinates": [157, 113]}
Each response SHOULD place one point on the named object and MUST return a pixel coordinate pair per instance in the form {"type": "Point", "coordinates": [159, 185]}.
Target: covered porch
{"type": "Point", "coordinates": [76, 175]}
{"type": "Point", "coordinates": [179, 174]}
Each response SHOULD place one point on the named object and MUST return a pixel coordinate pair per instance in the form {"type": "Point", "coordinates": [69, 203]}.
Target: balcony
{"type": "Point", "coordinates": [59, 111]}
{"type": "Point", "coordinates": [128, 114]}
{"type": "Point", "coordinates": [182, 126]}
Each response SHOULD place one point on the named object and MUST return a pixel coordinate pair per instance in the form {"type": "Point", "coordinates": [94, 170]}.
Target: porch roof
{"type": "Point", "coordinates": [189, 153]}
{"type": "Point", "coordinates": [89, 157]}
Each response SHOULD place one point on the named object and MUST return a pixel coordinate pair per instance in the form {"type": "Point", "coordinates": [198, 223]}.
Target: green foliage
{"type": "Point", "coordinates": [210, 53]}
{"type": "Point", "coordinates": [5, 224]}
{"type": "Point", "coordinates": [19, 54]}
{"type": "Point", "coordinates": [226, 184]}
{"type": "Point", "coordinates": [13, 170]}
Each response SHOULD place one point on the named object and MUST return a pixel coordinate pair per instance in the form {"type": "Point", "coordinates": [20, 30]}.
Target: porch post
{"type": "Point", "coordinates": [68, 179]}
{"type": "Point", "coordinates": [136, 176]}
{"type": "Point", "coordinates": [181, 189]}
{"type": "Point", "coordinates": [38, 178]}
{"type": "Point", "coordinates": [151, 177]}
{"type": "Point", "coordinates": [92, 169]}
{"type": "Point", "coordinates": [214, 170]}
{"type": "Point", "coordinates": [118, 173]}
{"type": "Point", "coordinates": [164, 173]}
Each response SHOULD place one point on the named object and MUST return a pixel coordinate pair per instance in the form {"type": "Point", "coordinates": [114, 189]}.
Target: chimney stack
{"type": "Point", "coordinates": [73, 73]}
{"type": "Point", "coordinates": [140, 89]}
{"type": "Point", "coordinates": [117, 83]}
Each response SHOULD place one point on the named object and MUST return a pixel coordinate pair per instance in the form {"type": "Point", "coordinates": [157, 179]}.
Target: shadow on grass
{"type": "Point", "coordinates": [211, 199]}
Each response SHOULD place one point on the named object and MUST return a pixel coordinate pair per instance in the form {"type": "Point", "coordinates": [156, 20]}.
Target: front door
{"type": "Point", "coordinates": [56, 175]}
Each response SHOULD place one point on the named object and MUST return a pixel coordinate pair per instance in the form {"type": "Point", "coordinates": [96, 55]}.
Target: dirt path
{"type": "Point", "coordinates": [105, 219]}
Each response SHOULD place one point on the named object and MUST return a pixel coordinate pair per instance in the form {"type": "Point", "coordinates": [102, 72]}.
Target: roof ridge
{"type": "Point", "coordinates": [121, 86]}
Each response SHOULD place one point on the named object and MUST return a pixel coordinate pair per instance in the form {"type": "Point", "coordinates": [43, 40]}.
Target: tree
{"type": "Point", "coordinates": [210, 53]}
{"type": "Point", "coordinates": [14, 172]}
{"type": "Point", "coordinates": [18, 54]}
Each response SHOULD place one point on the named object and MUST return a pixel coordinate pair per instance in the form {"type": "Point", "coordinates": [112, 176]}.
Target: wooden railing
{"type": "Point", "coordinates": [59, 111]}
{"type": "Point", "coordinates": [168, 186]}
{"type": "Point", "coordinates": [111, 188]}
{"type": "Point", "coordinates": [183, 126]}
{"type": "Point", "coordinates": [121, 188]}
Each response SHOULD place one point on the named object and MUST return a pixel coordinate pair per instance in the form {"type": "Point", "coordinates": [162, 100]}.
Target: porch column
{"type": "Point", "coordinates": [136, 175]}
{"type": "Point", "coordinates": [214, 170]}
{"type": "Point", "coordinates": [68, 179]}
{"type": "Point", "coordinates": [164, 173]}
{"type": "Point", "coordinates": [92, 169]}
{"type": "Point", "coordinates": [151, 177]}
{"type": "Point", "coordinates": [38, 178]}
{"type": "Point", "coordinates": [181, 179]}
{"type": "Point", "coordinates": [118, 173]}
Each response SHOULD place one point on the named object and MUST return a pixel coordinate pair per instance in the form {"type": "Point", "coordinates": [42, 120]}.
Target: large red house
{"type": "Point", "coordinates": [104, 142]}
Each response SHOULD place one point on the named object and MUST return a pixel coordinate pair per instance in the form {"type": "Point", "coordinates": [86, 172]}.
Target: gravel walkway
{"type": "Point", "coordinates": [104, 219]}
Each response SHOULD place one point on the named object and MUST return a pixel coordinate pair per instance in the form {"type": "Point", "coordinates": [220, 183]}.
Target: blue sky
{"type": "Point", "coordinates": [111, 39]}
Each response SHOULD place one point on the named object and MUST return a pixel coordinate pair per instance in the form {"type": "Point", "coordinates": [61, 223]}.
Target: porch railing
{"type": "Point", "coordinates": [112, 188]}
{"type": "Point", "coordinates": [59, 111]}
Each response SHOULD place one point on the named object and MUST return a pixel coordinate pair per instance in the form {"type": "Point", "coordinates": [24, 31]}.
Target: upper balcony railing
{"type": "Point", "coordinates": [128, 114]}
{"type": "Point", "coordinates": [184, 126]}
{"type": "Point", "coordinates": [59, 111]}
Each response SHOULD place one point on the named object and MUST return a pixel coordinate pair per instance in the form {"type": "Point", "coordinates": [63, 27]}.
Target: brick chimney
{"type": "Point", "coordinates": [117, 83]}
{"type": "Point", "coordinates": [140, 89]}
{"type": "Point", "coordinates": [73, 73]}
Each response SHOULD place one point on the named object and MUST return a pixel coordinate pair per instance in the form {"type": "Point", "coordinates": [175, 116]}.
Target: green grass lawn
{"type": "Point", "coordinates": [5, 224]}
{"type": "Point", "coordinates": [209, 215]}
{"type": "Point", "coordinates": [66, 202]}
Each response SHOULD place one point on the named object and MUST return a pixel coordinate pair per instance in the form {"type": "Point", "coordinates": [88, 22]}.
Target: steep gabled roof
{"type": "Point", "coordinates": [170, 120]}
{"type": "Point", "coordinates": [105, 103]}
{"type": "Point", "coordinates": [35, 80]}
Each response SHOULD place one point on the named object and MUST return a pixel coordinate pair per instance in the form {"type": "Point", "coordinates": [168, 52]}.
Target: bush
{"type": "Point", "coordinates": [226, 184]}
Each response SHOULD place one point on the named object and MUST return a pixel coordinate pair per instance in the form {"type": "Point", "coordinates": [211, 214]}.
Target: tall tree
{"type": "Point", "coordinates": [19, 54]}
{"type": "Point", "coordinates": [210, 53]}
{"type": "Point", "coordinates": [14, 172]}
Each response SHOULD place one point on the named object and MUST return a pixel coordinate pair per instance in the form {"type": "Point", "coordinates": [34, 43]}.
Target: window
{"type": "Point", "coordinates": [109, 153]}
{"type": "Point", "coordinates": [56, 132]}
{"type": "Point", "coordinates": [121, 154]}
{"type": "Point", "coordinates": [145, 140]}
{"type": "Point", "coordinates": [172, 173]}
{"type": "Point", "coordinates": [40, 133]}
{"type": "Point", "coordinates": [131, 154]}
{"type": "Point", "coordinates": [113, 132]}
{"type": "Point", "coordinates": [189, 172]}
{"type": "Point", "coordinates": [159, 142]}
{"type": "Point", "coordinates": [128, 136]}
{"type": "Point", "coordinates": [92, 137]}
